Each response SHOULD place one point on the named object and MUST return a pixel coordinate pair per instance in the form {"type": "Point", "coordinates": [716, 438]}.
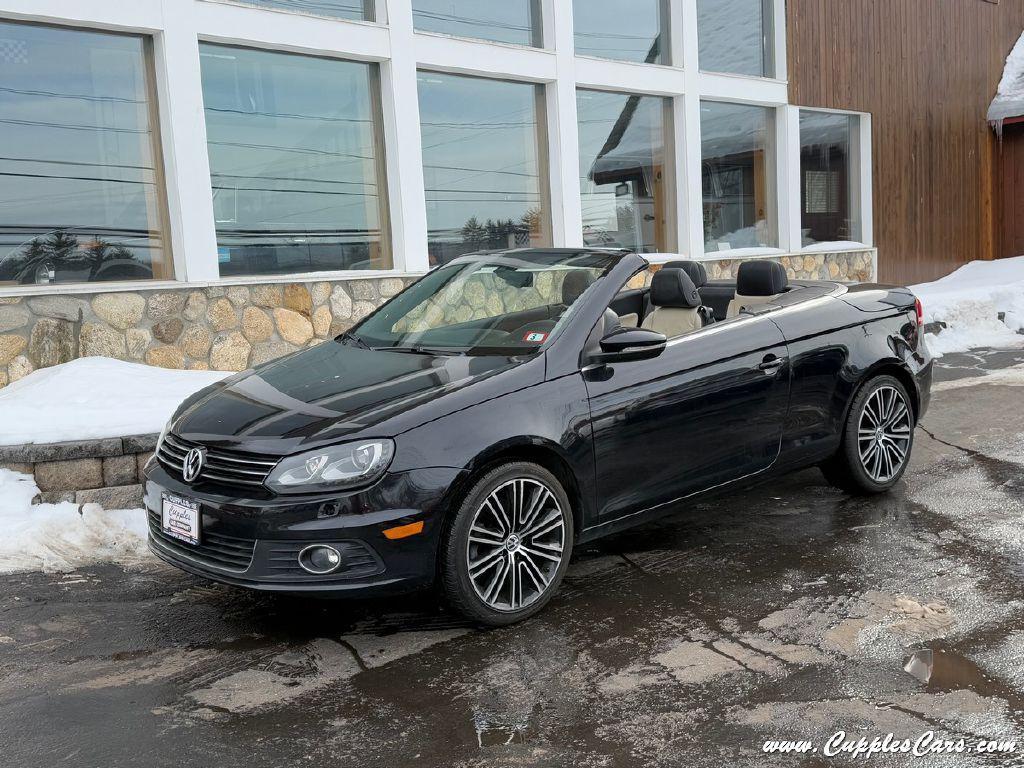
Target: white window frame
{"type": "Point", "coordinates": [178, 26]}
{"type": "Point", "coordinates": [860, 161]}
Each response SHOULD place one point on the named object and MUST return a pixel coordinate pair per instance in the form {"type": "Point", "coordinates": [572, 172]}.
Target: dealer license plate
{"type": "Point", "coordinates": [180, 518]}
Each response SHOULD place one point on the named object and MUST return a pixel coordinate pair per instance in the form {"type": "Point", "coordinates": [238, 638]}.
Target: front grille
{"type": "Point", "coordinates": [221, 466]}
{"type": "Point", "coordinates": [229, 553]}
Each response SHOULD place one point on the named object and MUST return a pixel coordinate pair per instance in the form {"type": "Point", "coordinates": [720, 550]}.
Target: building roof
{"type": "Point", "coordinates": [1009, 100]}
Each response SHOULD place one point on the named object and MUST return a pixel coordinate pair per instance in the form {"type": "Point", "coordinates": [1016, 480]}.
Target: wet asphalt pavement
{"type": "Point", "coordinates": [783, 612]}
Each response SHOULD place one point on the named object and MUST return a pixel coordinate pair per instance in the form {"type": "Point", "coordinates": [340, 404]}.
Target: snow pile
{"type": "Point", "coordinates": [835, 245]}
{"type": "Point", "coordinates": [62, 537]}
{"type": "Point", "coordinates": [94, 397]}
{"type": "Point", "coordinates": [1009, 100]}
{"type": "Point", "coordinates": [969, 302]}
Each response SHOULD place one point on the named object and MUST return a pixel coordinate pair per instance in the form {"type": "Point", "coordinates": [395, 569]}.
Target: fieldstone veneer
{"type": "Point", "coordinates": [224, 328]}
{"type": "Point", "coordinates": [234, 327]}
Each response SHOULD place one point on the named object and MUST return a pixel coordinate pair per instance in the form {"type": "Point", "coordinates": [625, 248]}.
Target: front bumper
{"type": "Point", "coordinates": [255, 543]}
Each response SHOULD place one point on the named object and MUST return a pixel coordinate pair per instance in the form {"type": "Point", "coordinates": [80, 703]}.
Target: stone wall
{"type": "Point", "coordinates": [227, 328]}
{"type": "Point", "coordinates": [106, 472]}
{"type": "Point", "coordinates": [854, 267]}
{"type": "Point", "coordinates": [233, 327]}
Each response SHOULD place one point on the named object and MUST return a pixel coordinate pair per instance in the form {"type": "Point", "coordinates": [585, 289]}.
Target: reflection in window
{"type": "Point", "coordinates": [736, 36]}
{"type": "Point", "coordinates": [738, 176]}
{"type": "Point", "coordinates": [629, 31]}
{"type": "Point", "coordinates": [624, 170]}
{"type": "Point", "coordinates": [360, 10]}
{"type": "Point", "coordinates": [80, 173]}
{"type": "Point", "coordinates": [295, 160]}
{"type": "Point", "coordinates": [827, 182]}
{"type": "Point", "coordinates": [503, 21]}
{"type": "Point", "coordinates": [482, 164]}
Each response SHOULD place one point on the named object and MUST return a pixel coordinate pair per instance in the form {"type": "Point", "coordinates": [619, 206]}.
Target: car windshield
{"type": "Point", "coordinates": [506, 303]}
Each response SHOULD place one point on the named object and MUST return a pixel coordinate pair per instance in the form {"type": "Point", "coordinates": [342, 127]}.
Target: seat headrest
{"type": "Point", "coordinates": [574, 284]}
{"type": "Point", "coordinates": [761, 278]}
{"type": "Point", "coordinates": [673, 288]}
{"type": "Point", "coordinates": [693, 269]}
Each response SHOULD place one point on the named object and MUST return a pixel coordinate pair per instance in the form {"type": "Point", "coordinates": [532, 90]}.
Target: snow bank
{"type": "Point", "coordinates": [94, 397]}
{"type": "Point", "coordinates": [969, 301]}
{"type": "Point", "coordinates": [59, 537]}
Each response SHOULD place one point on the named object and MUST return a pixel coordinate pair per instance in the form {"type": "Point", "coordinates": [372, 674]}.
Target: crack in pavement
{"type": "Point", "coordinates": [355, 655]}
{"type": "Point", "coordinates": [933, 436]}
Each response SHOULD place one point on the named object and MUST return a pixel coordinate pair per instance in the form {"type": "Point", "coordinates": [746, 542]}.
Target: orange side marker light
{"type": "Point", "coordinates": [404, 531]}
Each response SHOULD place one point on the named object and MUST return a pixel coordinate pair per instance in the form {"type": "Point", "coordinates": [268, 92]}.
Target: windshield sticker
{"type": "Point", "coordinates": [535, 338]}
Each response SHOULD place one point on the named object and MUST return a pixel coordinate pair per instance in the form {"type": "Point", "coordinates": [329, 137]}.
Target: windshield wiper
{"type": "Point", "coordinates": [346, 336]}
{"type": "Point", "coordinates": [421, 350]}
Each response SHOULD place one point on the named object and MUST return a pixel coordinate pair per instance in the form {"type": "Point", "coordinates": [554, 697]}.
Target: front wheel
{"type": "Point", "coordinates": [877, 439]}
{"type": "Point", "coordinates": [509, 545]}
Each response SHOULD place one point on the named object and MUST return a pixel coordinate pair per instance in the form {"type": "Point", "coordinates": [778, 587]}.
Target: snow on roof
{"type": "Point", "coordinates": [1009, 100]}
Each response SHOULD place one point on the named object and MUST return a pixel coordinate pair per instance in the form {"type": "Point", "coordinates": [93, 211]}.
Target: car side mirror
{"type": "Point", "coordinates": [624, 345]}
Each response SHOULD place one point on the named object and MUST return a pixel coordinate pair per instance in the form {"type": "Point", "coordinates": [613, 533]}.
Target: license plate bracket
{"type": "Point", "coordinates": [180, 518]}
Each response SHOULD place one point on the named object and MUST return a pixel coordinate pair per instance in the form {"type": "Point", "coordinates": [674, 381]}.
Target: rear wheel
{"type": "Point", "coordinates": [509, 545]}
{"type": "Point", "coordinates": [877, 439]}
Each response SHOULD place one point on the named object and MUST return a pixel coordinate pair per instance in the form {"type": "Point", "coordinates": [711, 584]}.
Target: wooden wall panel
{"type": "Point", "coordinates": [926, 70]}
{"type": "Point", "coordinates": [1010, 192]}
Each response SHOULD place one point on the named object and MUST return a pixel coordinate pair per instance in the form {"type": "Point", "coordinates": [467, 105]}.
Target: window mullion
{"type": "Point", "coordinates": [563, 139]}
{"type": "Point", "coordinates": [403, 144]}
{"type": "Point", "coordinates": [190, 197]}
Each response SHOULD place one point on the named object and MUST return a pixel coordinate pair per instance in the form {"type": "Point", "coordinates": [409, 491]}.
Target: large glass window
{"type": "Point", "coordinates": [81, 183]}
{"type": "Point", "coordinates": [503, 21]}
{"type": "Point", "coordinates": [828, 178]}
{"type": "Point", "coordinates": [736, 36]}
{"type": "Point", "coordinates": [296, 162]}
{"type": "Point", "coordinates": [738, 176]}
{"type": "Point", "coordinates": [360, 10]}
{"type": "Point", "coordinates": [613, 29]}
{"type": "Point", "coordinates": [625, 177]}
{"type": "Point", "coordinates": [483, 164]}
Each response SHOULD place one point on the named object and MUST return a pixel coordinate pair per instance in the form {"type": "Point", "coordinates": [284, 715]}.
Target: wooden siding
{"type": "Point", "coordinates": [926, 70]}
{"type": "Point", "coordinates": [1010, 215]}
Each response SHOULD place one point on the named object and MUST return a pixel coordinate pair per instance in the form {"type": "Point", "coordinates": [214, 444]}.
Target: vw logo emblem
{"type": "Point", "coordinates": [193, 464]}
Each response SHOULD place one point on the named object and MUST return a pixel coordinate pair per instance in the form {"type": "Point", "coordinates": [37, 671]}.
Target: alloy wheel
{"type": "Point", "coordinates": [516, 544]}
{"type": "Point", "coordinates": [883, 434]}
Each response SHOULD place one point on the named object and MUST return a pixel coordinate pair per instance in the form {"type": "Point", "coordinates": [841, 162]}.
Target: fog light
{"type": "Point", "coordinates": [319, 559]}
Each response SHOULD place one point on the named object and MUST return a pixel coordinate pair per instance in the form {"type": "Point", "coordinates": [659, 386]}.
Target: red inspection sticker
{"type": "Point", "coordinates": [536, 337]}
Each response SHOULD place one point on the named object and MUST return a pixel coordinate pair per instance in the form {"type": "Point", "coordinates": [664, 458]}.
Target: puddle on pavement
{"type": "Point", "coordinates": [943, 671]}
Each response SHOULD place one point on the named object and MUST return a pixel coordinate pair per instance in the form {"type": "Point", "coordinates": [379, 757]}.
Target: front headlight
{"type": "Point", "coordinates": [335, 468]}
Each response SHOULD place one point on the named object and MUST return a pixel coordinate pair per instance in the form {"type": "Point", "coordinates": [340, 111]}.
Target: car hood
{"type": "Point", "coordinates": [333, 390]}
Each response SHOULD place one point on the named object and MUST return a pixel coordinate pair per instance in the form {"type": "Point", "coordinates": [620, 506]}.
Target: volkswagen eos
{"type": "Point", "coordinates": [508, 406]}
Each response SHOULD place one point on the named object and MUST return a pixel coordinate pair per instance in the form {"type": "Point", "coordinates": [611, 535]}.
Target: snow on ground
{"type": "Point", "coordinates": [94, 397]}
{"type": "Point", "coordinates": [1005, 377]}
{"type": "Point", "coordinates": [969, 301]}
{"type": "Point", "coordinates": [62, 537]}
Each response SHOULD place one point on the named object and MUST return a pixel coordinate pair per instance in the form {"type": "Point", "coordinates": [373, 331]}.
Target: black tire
{"type": "Point", "coordinates": [518, 559]}
{"type": "Point", "coordinates": [847, 470]}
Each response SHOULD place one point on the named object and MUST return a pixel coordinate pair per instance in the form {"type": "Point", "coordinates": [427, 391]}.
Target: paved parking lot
{"type": "Point", "coordinates": [784, 612]}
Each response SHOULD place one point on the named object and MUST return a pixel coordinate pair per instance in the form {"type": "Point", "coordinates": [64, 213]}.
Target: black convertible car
{"type": "Point", "coordinates": [508, 406]}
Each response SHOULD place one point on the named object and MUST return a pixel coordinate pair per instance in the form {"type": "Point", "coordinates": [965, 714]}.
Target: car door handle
{"type": "Point", "coordinates": [771, 364]}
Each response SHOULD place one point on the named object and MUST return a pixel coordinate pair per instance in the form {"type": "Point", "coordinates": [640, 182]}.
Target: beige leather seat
{"type": "Point", "coordinates": [676, 302]}
{"type": "Point", "coordinates": [757, 283]}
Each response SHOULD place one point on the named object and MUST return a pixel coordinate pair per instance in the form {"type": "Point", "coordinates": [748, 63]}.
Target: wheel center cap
{"type": "Point", "coordinates": [878, 435]}
{"type": "Point", "coordinates": [512, 543]}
